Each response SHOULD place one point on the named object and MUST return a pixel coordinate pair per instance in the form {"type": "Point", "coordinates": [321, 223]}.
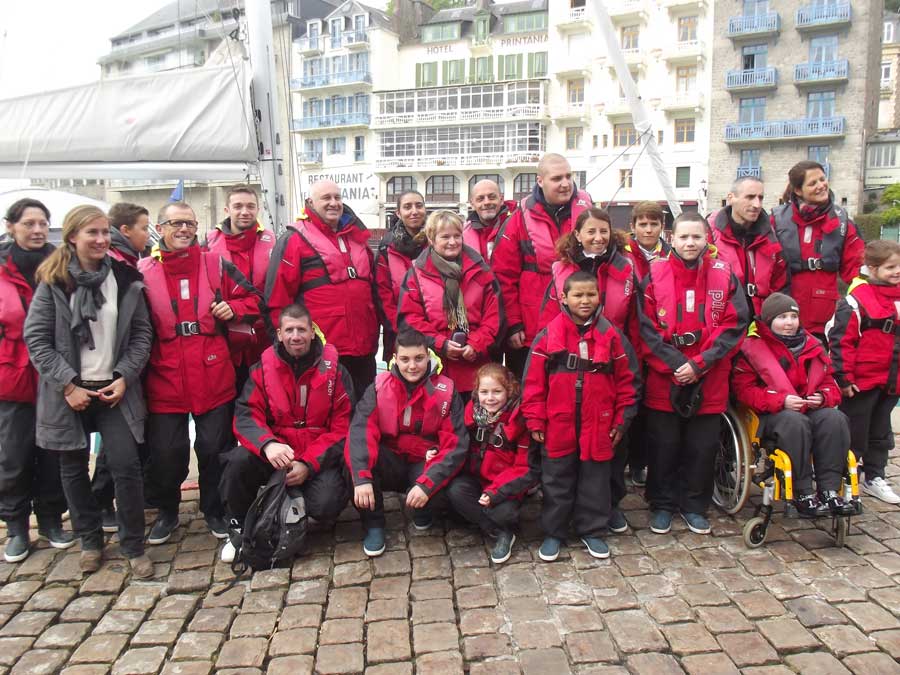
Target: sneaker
{"type": "Point", "coordinates": [808, 506]}
{"type": "Point", "coordinates": [163, 528]}
{"type": "Point", "coordinates": [141, 567]}
{"type": "Point", "coordinates": [617, 522]}
{"type": "Point", "coordinates": [422, 521]}
{"type": "Point", "coordinates": [503, 548]}
{"type": "Point", "coordinates": [697, 523]}
{"type": "Point", "coordinates": [549, 550]}
{"type": "Point", "coordinates": [835, 504]}
{"type": "Point", "coordinates": [596, 547]}
{"type": "Point", "coordinates": [660, 521]}
{"type": "Point", "coordinates": [639, 477]}
{"type": "Point", "coordinates": [228, 552]}
{"type": "Point", "coordinates": [17, 548]}
{"type": "Point", "coordinates": [90, 560]}
{"type": "Point", "coordinates": [373, 543]}
{"type": "Point", "coordinates": [56, 535]}
{"type": "Point", "coordinates": [880, 489]}
{"type": "Point", "coordinates": [110, 522]}
{"type": "Point", "coordinates": [217, 527]}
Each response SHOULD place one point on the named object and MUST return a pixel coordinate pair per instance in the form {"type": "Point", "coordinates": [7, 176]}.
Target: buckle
{"type": "Point", "coordinates": [299, 424]}
{"type": "Point", "coordinates": [351, 272]}
{"type": "Point", "coordinates": [685, 339]}
{"type": "Point", "coordinates": [888, 326]}
{"type": "Point", "coordinates": [814, 264]}
{"type": "Point", "coordinates": [496, 441]}
{"type": "Point", "coordinates": [186, 328]}
{"type": "Point", "coordinates": [751, 290]}
{"type": "Point", "coordinates": [479, 435]}
{"type": "Point", "coordinates": [572, 361]}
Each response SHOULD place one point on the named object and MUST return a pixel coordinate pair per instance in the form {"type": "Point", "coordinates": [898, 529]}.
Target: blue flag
{"type": "Point", "coordinates": [178, 193]}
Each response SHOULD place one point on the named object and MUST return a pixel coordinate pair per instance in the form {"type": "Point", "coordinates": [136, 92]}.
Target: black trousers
{"type": "Point", "coordinates": [29, 476]}
{"type": "Point", "coordinates": [575, 491]}
{"type": "Point", "coordinates": [392, 473]}
{"type": "Point", "coordinates": [362, 371]}
{"type": "Point", "coordinates": [102, 481]}
{"type": "Point", "coordinates": [170, 448]}
{"type": "Point", "coordinates": [871, 437]}
{"type": "Point", "coordinates": [463, 493]}
{"type": "Point", "coordinates": [326, 493]}
{"type": "Point", "coordinates": [515, 359]}
{"type": "Point", "coordinates": [822, 435]}
{"type": "Point", "coordinates": [617, 487]}
{"type": "Point", "coordinates": [681, 463]}
{"type": "Point", "coordinates": [124, 465]}
{"type": "Point", "coordinates": [637, 441]}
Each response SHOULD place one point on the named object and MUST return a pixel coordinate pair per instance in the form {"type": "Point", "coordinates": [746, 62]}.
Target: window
{"type": "Point", "coordinates": [684, 130]}
{"type": "Point", "coordinates": [756, 7]}
{"type": "Point", "coordinates": [754, 57]}
{"type": "Point", "coordinates": [882, 155]}
{"type": "Point", "coordinates": [575, 91]}
{"type": "Point", "coordinates": [440, 32]}
{"type": "Point", "coordinates": [359, 25]}
{"type": "Point", "coordinates": [335, 28]}
{"type": "Point", "coordinates": [426, 74]}
{"type": "Point", "coordinates": [629, 36]}
{"type": "Point", "coordinates": [523, 93]}
{"type": "Point", "coordinates": [625, 178]}
{"type": "Point", "coordinates": [482, 69]}
{"type": "Point", "coordinates": [496, 177]}
{"type": "Point", "coordinates": [312, 31]}
{"type": "Point", "coordinates": [624, 134]}
{"type": "Point", "coordinates": [398, 185]}
{"type": "Point", "coordinates": [818, 153]}
{"type": "Point", "coordinates": [751, 110]}
{"type": "Point", "coordinates": [682, 176]}
{"type": "Point", "coordinates": [155, 62]}
{"type": "Point", "coordinates": [578, 45]}
{"type": "Point", "coordinates": [685, 79]}
{"type": "Point", "coordinates": [687, 28]}
{"type": "Point", "coordinates": [659, 136]}
{"type": "Point", "coordinates": [509, 67]}
{"type": "Point", "coordinates": [820, 104]}
{"type": "Point", "coordinates": [823, 49]}
{"type": "Point", "coordinates": [454, 71]}
{"type": "Point", "coordinates": [537, 64]}
{"type": "Point", "coordinates": [523, 185]}
{"type": "Point", "coordinates": [888, 35]}
{"type": "Point", "coordinates": [750, 158]}
{"type": "Point", "coordinates": [605, 140]}
{"type": "Point", "coordinates": [525, 23]}
{"type": "Point", "coordinates": [885, 74]}
{"type": "Point", "coordinates": [442, 189]}
{"type": "Point", "coordinates": [574, 137]}
{"type": "Point", "coordinates": [359, 148]}
{"type": "Point", "coordinates": [580, 178]}
{"type": "Point", "coordinates": [336, 146]}
{"type": "Point", "coordinates": [482, 28]}
{"type": "Point", "coordinates": [312, 149]}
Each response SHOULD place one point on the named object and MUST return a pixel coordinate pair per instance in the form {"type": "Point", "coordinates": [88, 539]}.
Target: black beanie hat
{"type": "Point", "coordinates": [775, 304]}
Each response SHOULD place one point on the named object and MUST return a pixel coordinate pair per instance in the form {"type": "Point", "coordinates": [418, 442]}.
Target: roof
{"type": "Point", "coordinates": [378, 17]}
{"type": "Point", "coordinates": [468, 13]}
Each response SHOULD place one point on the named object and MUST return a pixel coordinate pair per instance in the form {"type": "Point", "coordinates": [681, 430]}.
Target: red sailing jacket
{"type": "Point", "coordinates": [249, 251]}
{"type": "Point", "coordinates": [602, 365]}
{"type": "Point", "coordinates": [766, 372]}
{"type": "Point", "coordinates": [332, 273]}
{"type": "Point", "coordinates": [478, 236]}
{"type": "Point", "coordinates": [393, 418]}
{"type": "Point", "coordinates": [641, 264]}
{"type": "Point", "coordinates": [18, 378]}
{"type": "Point", "coordinates": [864, 340]}
{"type": "Point", "coordinates": [524, 254]}
{"type": "Point", "coordinates": [816, 252]}
{"type": "Point", "coordinates": [309, 412]}
{"type": "Point", "coordinates": [391, 267]}
{"type": "Point", "coordinates": [123, 256]}
{"type": "Point", "coordinates": [499, 456]}
{"type": "Point", "coordinates": [190, 369]}
{"type": "Point", "coordinates": [695, 315]}
{"type": "Point", "coordinates": [422, 308]}
{"type": "Point", "coordinates": [760, 266]}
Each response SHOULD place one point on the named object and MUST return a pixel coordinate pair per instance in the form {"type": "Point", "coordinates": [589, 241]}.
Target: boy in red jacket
{"type": "Point", "coordinates": [582, 385]}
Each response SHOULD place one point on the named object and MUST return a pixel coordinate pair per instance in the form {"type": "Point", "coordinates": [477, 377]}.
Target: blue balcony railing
{"type": "Point", "coordinates": [313, 43]}
{"type": "Point", "coordinates": [326, 121]}
{"type": "Point", "coordinates": [751, 79]}
{"type": "Point", "coordinates": [824, 70]}
{"type": "Point", "coordinates": [330, 79]}
{"type": "Point", "coordinates": [749, 172]}
{"type": "Point", "coordinates": [311, 157]}
{"type": "Point", "coordinates": [823, 15]}
{"type": "Point", "coordinates": [770, 22]}
{"type": "Point", "coordinates": [780, 129]}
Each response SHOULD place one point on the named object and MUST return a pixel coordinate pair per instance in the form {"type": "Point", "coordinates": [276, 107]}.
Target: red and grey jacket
{"type": "Point", "coordinates": [190, 368]}
{"type": "Point", "coordinates": [760, 265]}
{"type": "Point", "coordinates": [422, 308]}
{"type": "Point", "coordinates": [691, 314]}
{"type": "Point", "coordinates": [502, 456]}
{"type": "Point", "coordinates": [580, 384]}
{"type": "Point", "coordinates": [481, 237]}
{"type": "Point", "coordinates": [409, 420]}
{"type": "Point", "coordinates": [332, 273]}
{"type": "Point", "coordinates": [524, 254]}
{"type": "Point", "coordinates": [766, 372]}
{"type": "Point", "coordinates": [18, 378]}
{"type": "Point", "coordinates": [309, 411]}
{"type": "Point", "coordinates": [640, 261]}
{"type": "Point", "coordinates": [391, 267]}
{"type": "Point", "coordinates": [865, 337]}
{"type": "Point", "coordinates": [817, 250]}
{"type": "Point", "coordinates": [249, 251]}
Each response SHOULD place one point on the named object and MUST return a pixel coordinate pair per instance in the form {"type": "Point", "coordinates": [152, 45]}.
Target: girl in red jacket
{"type": "Point", "coordinates": [497, 472]}
{"type": "Point", "coordinates": [865, 349]}
{"type": "Point", "coordinates": [693, 318]}
{"type": "Point", "coordinates": [582, 385]}
{"type": "Point", "coordinates": [784, 375]}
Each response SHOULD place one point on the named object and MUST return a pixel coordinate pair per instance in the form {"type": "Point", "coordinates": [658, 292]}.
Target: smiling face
{"type": "Point", "coordinates": [647, 231]}
{"type": "Point", "coordinates": [91, 242]}
{"type": "Point", "coordinates": [179, 229]}
{"type": "Point", "coordinates": [411, 362]}
{"type": "Point", "coordinates": [556, 182]}
{"type": "Point", "coordinates": [486, 200]}
{"type": "Point", "coordinates": [491, 394]}
{"type": "Point", "coordinates": [689, 239]}
{"type": "Point", "coordinates": [296, 335]}
{"type": "Point", "coordinates": [786, 323]}
{"type": "Point", "coordinates": [582, 299]}
{"type": "Point", "coordinates": [448, 241]}
{"type": "Point", "coordinates": [887, 272]}
{"type": "Point", "coordinates": [594, 236]}
{"type": "Point", "coordinates": [325, 200]}
{"type": "Point", "coordinates": [411, 211]}
{"type": "Point", "coordinates": [243, 210]}
{"type": "Point", "coordinates": [815, 187]}
{"type": "Point", "coordinates": [30, 231]}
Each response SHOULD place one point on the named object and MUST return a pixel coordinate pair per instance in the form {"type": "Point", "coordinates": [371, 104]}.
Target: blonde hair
{"type": "Point", "coordinates": [55, 269]}
{"type": "Point", "coordinates": [439, 219]}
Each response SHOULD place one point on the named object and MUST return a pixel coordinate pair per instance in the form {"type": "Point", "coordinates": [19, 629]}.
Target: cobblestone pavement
{"type": "Point", "coordinates": [433, 603]}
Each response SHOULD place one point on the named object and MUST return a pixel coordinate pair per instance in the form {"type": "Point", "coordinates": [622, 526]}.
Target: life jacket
{"type": "Point", "coordinates": [332, 257]}
{"type": "Point", "coordinates": [543, 245]}
{"type": "Point", "coordinates": [754, 264]}
{"type": "Point", "coordinates": [18, 378]}
{"type": "Point", "coordinates": [438, 391]}
{"type": "Point", "coordinates": [832, 233]}
{"type": "Point", "coordinates": [262, 251]}
{"type": "Point", "coordinates": [760, 356]}
{"type": "Point", "coordinates": [616, 286]}
{"type": "Point", "coordinates": [398, 266]}
{"type": "Point", "coordinates": [884, 327]}
{"type": "Point", "coordinates": [493, 447]}
{"type": "Point", "coordinates": [641, 264]}
{"type": "Point", "coordinates": [431, 286]}
{"type": "Point", "coordinates": [209, 290]}
{"type": "Point", "coordinates": [482, 238]}
{"type": "Point", "coordinates": [116, 254]}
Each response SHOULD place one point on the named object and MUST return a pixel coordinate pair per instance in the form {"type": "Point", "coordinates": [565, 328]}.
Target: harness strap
{"type": "Point", "coordinates": [561, 362]}
{"type": "Point", "coordinates": [682, 340]}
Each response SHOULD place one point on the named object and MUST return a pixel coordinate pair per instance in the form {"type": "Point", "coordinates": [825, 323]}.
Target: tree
{"type": "Point", "coordinates": [891, 6]}
{"type": "Point", "coordinates": [445, 4]}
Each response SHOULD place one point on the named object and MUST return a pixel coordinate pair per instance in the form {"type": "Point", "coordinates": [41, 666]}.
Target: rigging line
{"type": "Point", "coordinates": [630, 174]}
{"type": "Point", "coordinates": [289, 103]}
{"type": "Point", "coordinates": [616, 158]}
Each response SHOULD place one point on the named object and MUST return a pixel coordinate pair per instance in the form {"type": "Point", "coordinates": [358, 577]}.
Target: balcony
{"type": "Point", "coordinates": [821, 72]}
{"type": "Point", "coordinates": [575, 19]}
{"type": "Point", "coordinates": [353, 119]}
{"type": "Point", "coordinates": [468, 161]}
{"type": "Point", "coordinates": [761, 25]}
{"type": "Point", "coordinates": [813, 17]}
{"type": "Point", "coordinates": [626, 11]}
{"type": "Point", "coordinates": [756, 79]}
{"type": "Point", "coordinates": [354, 40]}
{"type": "Point", "coordinates": [687, 52]}
{"type": "Point", "coordinates": [617, 108]}
{"type": "Point", "coordinates": [572, 111]}
{"type": "Point", "coordinates": [329, 80]}
{"type": "Point", "coordinates": [683, 102]}
{"type": "Point", "coordinates": [678, 5]}
{"type": "Point", "coordinates": [524, 111]}
{"type": "Point", "coordinates": [310, 46]}
{"type": "Point", "coordinates": [749, 172]}
{"type": "Point", "coordinates": [482, 45]}
{"type": "Point", "coordinates": [575, 68]}
{"type": "Point", "coordinates": [310, 158]}
{"type": "Point", "coordinates": [775, 130]}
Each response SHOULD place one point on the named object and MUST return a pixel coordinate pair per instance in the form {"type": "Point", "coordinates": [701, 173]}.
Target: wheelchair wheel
{"type": "Point", "coordinates": [755, 532]}
{"type": "Point", "coordinates": [732, 465]}
{"type": "Point", "coordinates": [840, 530]}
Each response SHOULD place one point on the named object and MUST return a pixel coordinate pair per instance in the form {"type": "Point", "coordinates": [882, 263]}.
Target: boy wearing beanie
{"type": "Point", "coordinates": [784, 374]}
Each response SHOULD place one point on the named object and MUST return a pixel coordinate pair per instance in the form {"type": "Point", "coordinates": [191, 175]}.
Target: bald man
{"type": "Point", "coordinates": [324, 262]}
{"type": "Point", "coordinates": [487, 215]}
{"type": "Point", "coordinates": [524, 251]}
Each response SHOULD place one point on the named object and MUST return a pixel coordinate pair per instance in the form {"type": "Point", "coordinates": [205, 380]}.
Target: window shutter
{"type": "Point", "coordinates": [445, 67]}
{"type": "Point", "coordinates": [530, 65]}
{"type": "Point", "coordinates": [473, 70]}
{"type": "Point", "coordinates": [490, 69]}
{"type": "Point", "coordinates": [418, 75]}
{"type": "Point", "coordinates": [518, 66]}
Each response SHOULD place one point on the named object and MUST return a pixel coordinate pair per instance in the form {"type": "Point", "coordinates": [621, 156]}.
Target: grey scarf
{"type": "Point", "coordinates": [454, 305]}
{"type": "Point", "coordinates": [87, 298]}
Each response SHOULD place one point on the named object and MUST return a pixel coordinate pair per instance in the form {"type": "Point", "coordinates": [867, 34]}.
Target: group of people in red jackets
{"type": "Point", "coordinates": [271, 343]}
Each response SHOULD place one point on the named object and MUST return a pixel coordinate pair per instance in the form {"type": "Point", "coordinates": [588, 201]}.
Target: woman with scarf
{"type": "Point", "coordinates": [400, 246]}
{"type": "Point", "coordinates": [451, 296]}
{"type": "Point", "coordinates": [29, 476]}
{"type": "Point", "coordinates": [819, 241]}
{"type": "Point", "coordinates": [89, 335]}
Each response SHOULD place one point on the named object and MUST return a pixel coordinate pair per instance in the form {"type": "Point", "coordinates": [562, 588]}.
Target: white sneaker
{"type": "Point", "coordinates": [228, 552]}
{"type": "Point", "coordinates": [881, 489]}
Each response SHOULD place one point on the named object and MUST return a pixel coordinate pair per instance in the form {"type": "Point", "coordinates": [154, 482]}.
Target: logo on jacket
{"type": "Point", "coordinates": [212, 357]}
{"type": "Point", "coordinates": [717, 305]}
{"type": "Point", "coordinates": [441, 386]}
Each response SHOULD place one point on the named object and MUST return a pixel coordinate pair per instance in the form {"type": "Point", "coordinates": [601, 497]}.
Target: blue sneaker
{"type": "Point", "coordinates": [696, 523]}
{"type": "Point", "coordinates": [503, 548]}
{"type": "Point", "coordinates": [373, 544]}
{"type": "Point", "coordinates": [549, 550]}
{"type": "Point", "coordinates": [661, 521]}
{"type": "Point", "coordinates": [617, 522]}
{"type": "Point", "coordinates": [596, 547]}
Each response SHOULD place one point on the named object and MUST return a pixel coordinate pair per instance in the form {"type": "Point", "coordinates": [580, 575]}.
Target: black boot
{"type": "Point", "coordinates": [836, 504]}
{"type": "Point", "coordinates": [17, 544]}
{"type": "Point", "coordinates": [52, 530]}
{"type": "Point", "coordinates": [808, 506]}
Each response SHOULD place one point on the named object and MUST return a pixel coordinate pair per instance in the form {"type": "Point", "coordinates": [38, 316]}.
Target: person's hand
{"type": "Point", "coordinates": [795, 403]}
{"type": "Point", "coordinates": [222, 311]}
{"type": "Point", "coordinates": [430, 454]}
{"type": "Point", "coordinates": [538, 436]}
{"type": "Point", "coordinates": [686, 374]}
{"type": "Point", "coordinates": [364, 497]}
{"type": "Point", "coordinates": [615, 436]}
{"type": "Point", "coordinates": [850, 390]}
{"type": "Point", "coordinates": [517, 340]}
{"type": "Point", "coordinates": [468, 353]}
{"type": "Point", "coordinates": [280, 456]}
{"type": "Point", "coordinates": [484, 499]}
{"type": "Point", "coordinates": [416, 498]}
{"type": "Point", "coordinates": [815, 401]}
{"type": "Point", "coordinates": [454, 350]}
{"type": "Point", "coordinates": [113, 392]}
{"type": "Point", "coordinates": [298, 474]}
{"type": "Point", "coordinates": [79, 398]}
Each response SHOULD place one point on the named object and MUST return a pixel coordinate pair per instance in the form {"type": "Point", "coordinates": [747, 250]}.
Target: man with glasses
{"type": "Point", "coordinates": [190, 372]}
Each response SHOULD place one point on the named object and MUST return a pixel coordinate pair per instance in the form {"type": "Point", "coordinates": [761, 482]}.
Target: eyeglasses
{"type": "Point", "coordinates": [179, 224]}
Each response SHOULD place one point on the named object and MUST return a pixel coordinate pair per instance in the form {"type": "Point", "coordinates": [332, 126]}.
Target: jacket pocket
{"type": "Point", "coordinates": [560, 437]}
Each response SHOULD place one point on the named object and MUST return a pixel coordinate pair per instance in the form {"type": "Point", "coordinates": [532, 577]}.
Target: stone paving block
{"type": "Point", "coordinates": [63, 636]}
{"type": "Point", "coordinates": [426, 547]}
{"type": "Point", "coordinates": [441, 663]}
{"type": "Point", "coordinates": [157, 632]}
{"type": "Point", "coordinates": [591, 647]}
{"type": "Point", "coordinates": [757, 604]}
{"type": "Point", "coordinates": [291, 665]}
{"type": "Point", "coordinates": [300, 616]}
{"type": "Point", "coordinates": [65, 569]}
{"type": "Point", "coordinates": [867, 615]}
{"type": "Point", "coordinates": [836, 590]}
{"type": "Point", "coordinates": [40, 662]}
{"type": "Point", "coordinates": [262, 601]}
{"type": "Point", "coordinates": [653, 664]}
{"type": "Point", "coordinates": [818, 663]}
{"type": "Point", "coordinates": [392, 563]}
{"type": "Point", "coordinates": [196, 646]}
{"type": "Point", "coordinates": [636, 565]}
{"type": "Point", "coordinates": [50, 599]}
{"type": "Point", "coordinates": [87, 608]}
{"type": "Point", "coordinates": [496, 667]}
{"type": "Point", "coordinates": [669, 610]}
{"type": "Point", "coordinates": [139, 597]}
{"type": "Point", "coordinates": [615, 599]}
{"type": "Point", "coordinates": [813, 612]}
{"type": "Point", "coordinates": [12, 648]}
{"type": "Point", "coordinates": [379, 610]}
{"type": "Point", "coordinates": [525, 609]}
{"type": "Point", "coordinates": [94, 669]}
{"type": "Point", "coordinates": [390, 669]}
{"type": "Point", "coordinates": [578, 619]}
{"type": "Point", "coordinates": [846, 640]}
{"type": "Point", "coordinates": [517, 582]}
{"type": "Point", "coordinates": [388, 641]}
{"type": "Point", "coordinates": [110, 579]}
{"type": "Point", "coordinates": [18, 591]}
{"type": "Point", "coordinates": [476, 596]}
{"type": "Point", "coordinates": [633, 631]}
{"type": "Point", "coordinates": [175, 607]}
{"type": "Point", "coordinates": [194, 560]}
{"type": "Point", "coordinates": [187, 668]}
{"type": "Point", "coordinates": [887, 640]}
{"type": "Point", "coordinates": [265, 580]}
{"type": "Point", "coordinates": [339, 659]}
{"type": "Point", "coordinates": [312, 591]}
{"type": "Point", "coordinates": [536, 635]}
{"type": "Point", "coordinates": [435, 637]}
{"type": "Point", "coordinates": [433, 611]}
{"type": "Point", "coordinates": [119, 621]}
{"type": "Point", "coordinates": [27, 624]}
{"type": "Point", "coordinates": [469, 557]}
{"type": "Point", "coordinates": [254, 625]}
{"type": "Point", "coordinates": [99, 649]}
{"type": "Point", "coordinates": [215, 620]}
{"type": "Point", "coordinates": [709, 664]}
{"type": "Point", "coordinates": [437, 567]}
{"type": "Point", "coordinates": [189, 581]}
{"type": "Point", "coordinates": [478, 647]}
{"type": "Point", "coordinates": [293, 641]}
{"type": "Point", "coordinates": [472, 576]}
{"type": "Point", "coordinates": [872, 663]}
{"type": "Point", "coordinates": [787, 635]}
{"type": "Point", "coordinates": [889, 598]}
{"type": "Point", "coordinates": [352, 574]}
{"type": "Point", "coordinates": [145, 661]}
{"type": "Point", "coordinates": [219, 597]}
{"type": "Point", "coordinates": [478, 621]}
{"type": "Point", "coordinates": [431, 590]}
{"type": "Point", "coordinates": [703, 594]}
{"type": "Point", "coordinates": [312, 567]}
{"type": "Point", "coordinates": [389, 588]}
{"type": "Point", "coordinates": [723, 619]}
{"type": "Point", "coordinates": [8, 611]}
{"type": "Point", "coordinates": [747, 649]}
{"type": "Point", "coordinates": [341, 631]}
{"type": "Point", "coordinates": [652, 586]}
{"type": "Point", "coordinates": [242, 653]}
{"type": "Point", "coordinates": [346, 603]}
{"type": "Point", "coordinates": [689, 638]}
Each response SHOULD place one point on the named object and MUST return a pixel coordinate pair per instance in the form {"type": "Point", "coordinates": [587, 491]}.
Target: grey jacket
{"type": "Point", "coordinates": [56, 357]}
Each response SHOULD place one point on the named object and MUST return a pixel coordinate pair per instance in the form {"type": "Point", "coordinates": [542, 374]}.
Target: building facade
{"type": "Point", "coordinates": [889, 104]}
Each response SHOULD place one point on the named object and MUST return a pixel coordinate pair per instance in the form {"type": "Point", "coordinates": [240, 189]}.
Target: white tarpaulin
{"type": "Point", "coordinates": [167, 125]}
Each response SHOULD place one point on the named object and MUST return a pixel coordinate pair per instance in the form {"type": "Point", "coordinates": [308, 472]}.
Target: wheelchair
{"type": "Point", "coordinates": [744, 459]}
